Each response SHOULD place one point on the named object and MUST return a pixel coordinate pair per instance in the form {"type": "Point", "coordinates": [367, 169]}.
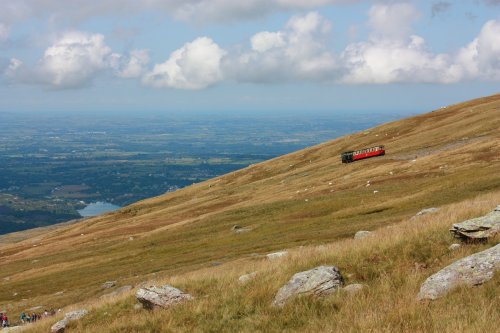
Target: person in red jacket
{"type": "Point", "coordinates": [5, 320]}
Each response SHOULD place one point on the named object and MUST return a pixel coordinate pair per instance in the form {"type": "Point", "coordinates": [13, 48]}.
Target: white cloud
{"type": "Point", "coordinates": [230, 10]}
{"type": "Point", "coordinates": [298, 52]}
{"type": "Point", "coordinates": [13, 67]}
{"type": "Point", "coordinates": [265, 40]}
{"type": "Point", "coordinates": [133, 66]}
{"type": "Point", "coordinates": [392, 21]}
{"type": "Point", "coordinates": [196, 65]}
{"type": "Point", "coordinates": [189, 10]}
{"type": "Point", "coordinates": [73, 60]}
{"type": "Point", "coordinates": [391, 61]}
{"type": "Point", "coordinates": [392, 54]}
{"type": "Point", "coordinates": [481, 58]}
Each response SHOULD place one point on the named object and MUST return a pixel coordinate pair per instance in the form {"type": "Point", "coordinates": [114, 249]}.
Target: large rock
{"type": "Point", "coordinates": [60, 326]}
{"type": "Point", "coordinates": [164, 296]}
{"type": "Point", "coordinates": [479, 228]}
{"type": "Point", "coordinates": [469, 271]}
{"type": "Point", "coordinates": [319, 282]}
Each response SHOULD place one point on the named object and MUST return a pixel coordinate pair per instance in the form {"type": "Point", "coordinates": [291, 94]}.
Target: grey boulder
{"type": "Point", "coordinates": [479, 228]}
{"type": "Point", "coordinates": [469, 271]}
{"type": "Point", "coordinates": [164, 296]}
{"type": "Point", "coordinates": [60, 326]}
{"type": "Point", "coordinates": [319, 282]}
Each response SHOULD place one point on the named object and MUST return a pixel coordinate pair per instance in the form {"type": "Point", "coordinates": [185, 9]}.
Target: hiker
{"type": "Point", "coordinates": [28, 318]}
{"type": "Point", "coordinates": [5, 320]}
{"type": "Point", "coordinates": [22, 317]}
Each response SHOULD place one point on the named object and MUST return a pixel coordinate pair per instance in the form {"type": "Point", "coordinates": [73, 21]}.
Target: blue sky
{"type": "Point", "coordinates": [266, 56]}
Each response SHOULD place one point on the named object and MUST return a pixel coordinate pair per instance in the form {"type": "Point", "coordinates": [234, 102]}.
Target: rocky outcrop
{"type": "Point", "coordinates": [362, 234]}
{"type": "Point", "coordinates": [60, 326]}
{"type": "Point", "coordinates": [469, 271]}
{"type": "Point", "coordinates": [319, 282]}
{"type": "Point", "coordinates": [479, 228]}
{"type": "Point", "coordinates": [164, 296]}
{"type": "Point", "coordinates": [276, 255]}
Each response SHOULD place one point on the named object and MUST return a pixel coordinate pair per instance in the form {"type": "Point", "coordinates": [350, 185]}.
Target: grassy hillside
{"type": "Point", "coordinates": [391, 265]}
{"type": "Point", "coordinates": [306, 198]}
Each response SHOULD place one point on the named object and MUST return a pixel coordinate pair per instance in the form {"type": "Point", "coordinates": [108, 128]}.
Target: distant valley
{"type": "Point", "coordinates": [53, 166]}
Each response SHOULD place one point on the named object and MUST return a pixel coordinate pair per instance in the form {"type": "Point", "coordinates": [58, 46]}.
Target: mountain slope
{"type": "Point", "coordinates": [307, 197]}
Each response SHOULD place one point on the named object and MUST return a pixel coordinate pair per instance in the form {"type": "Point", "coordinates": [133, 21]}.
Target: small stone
{"type": "Point", "coordinates": [35, 308]}
{"type": "Point", "coordinates": [137, 306]}
{"type": "Point", "coordinates": [108, 284]}
{"type": "Point", "coordinates": [353, 288]}
{"type": "Point", "coordinates": [362, 234]}
{"type": "Point", "coordinates": [241, 230]}
{"type": "Point", "coordinates": [427, 211]}
{"type": "Point", "coordinates": [247, 277]}
{"type": "Point", "coordinates": [454, 247]}
{"type": "Point", "coordinates": [117, 292]}
{"type": "Point", "coordinates": [276, 255]}
{"type": "Point", "coordinates": [235, 227]}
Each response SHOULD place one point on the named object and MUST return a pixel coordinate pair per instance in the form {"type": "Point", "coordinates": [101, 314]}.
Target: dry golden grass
{"type": "Point", "coordinates": [301, 199]}
{"type": "Point", "coordinates": [392, 265]}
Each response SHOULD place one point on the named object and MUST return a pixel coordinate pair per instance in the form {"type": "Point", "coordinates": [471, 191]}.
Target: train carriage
{"type": "Point", "coordinates": [355, 155]}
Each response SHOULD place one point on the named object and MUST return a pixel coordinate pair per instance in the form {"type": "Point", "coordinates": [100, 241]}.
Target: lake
{"type": "Point", "coordinates": [97, 208]}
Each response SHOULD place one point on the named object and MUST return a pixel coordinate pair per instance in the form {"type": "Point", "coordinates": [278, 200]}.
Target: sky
{"type": "Point", "coordinates": [235, 56]}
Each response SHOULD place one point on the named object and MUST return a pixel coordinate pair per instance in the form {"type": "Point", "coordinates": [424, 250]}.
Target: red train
{"type": "Point", "coordinates": [351, 156]}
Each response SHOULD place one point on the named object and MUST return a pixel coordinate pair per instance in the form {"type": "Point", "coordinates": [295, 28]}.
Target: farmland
{"type": "Point", "coordinates": [53, 165]}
